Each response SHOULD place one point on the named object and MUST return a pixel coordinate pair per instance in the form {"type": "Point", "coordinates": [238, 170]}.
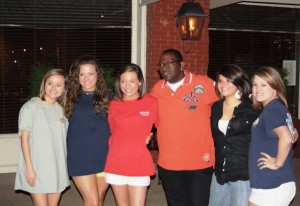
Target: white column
{"type": "Point", "coordinates": [138, 35]}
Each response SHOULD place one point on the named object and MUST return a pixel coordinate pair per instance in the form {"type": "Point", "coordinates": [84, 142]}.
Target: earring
{"type": "Point", "coordinates": [238, 94]}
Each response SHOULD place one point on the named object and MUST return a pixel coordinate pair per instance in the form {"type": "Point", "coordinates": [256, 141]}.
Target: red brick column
{"type": "Point", "coordinates": [162, 33]}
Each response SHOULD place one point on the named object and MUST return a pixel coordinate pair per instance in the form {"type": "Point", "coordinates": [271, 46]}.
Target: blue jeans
{"type": "Point", "coordinates": [230, 194]}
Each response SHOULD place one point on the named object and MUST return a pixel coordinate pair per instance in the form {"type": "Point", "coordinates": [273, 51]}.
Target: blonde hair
{"type": "Point", "coordinates": [274, 80]}
{"type": "Point", "coordinates": [62, 99]}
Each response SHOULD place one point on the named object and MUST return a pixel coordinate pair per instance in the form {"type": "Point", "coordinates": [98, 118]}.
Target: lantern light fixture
{"type": "Point", "coordinates": [190, 20]}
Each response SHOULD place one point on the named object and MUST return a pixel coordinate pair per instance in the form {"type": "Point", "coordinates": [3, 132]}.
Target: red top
{"type": "Point", "coordinates": [130, 123]}
{"type": "Point", "coordinates": [183, 132]}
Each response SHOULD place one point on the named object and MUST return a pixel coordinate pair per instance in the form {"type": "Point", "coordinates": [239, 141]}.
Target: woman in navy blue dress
{"type": "Point", "coordinates": [88, 132]}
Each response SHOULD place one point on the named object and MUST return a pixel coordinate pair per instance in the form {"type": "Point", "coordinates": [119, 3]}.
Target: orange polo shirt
{"type": "Point", "coordinates": [183, 131]}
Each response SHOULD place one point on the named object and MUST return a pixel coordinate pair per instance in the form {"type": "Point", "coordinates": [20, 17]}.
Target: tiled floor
{"type": "Point", "coordinates": [8, 197]}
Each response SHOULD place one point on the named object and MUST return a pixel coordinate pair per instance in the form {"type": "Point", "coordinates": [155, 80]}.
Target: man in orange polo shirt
{"type": "Point", "coordinates": [186, 149]}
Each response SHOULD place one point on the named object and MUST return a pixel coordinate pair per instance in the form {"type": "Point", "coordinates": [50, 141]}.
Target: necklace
{"type": "Point", "coordinates": [88, 93]}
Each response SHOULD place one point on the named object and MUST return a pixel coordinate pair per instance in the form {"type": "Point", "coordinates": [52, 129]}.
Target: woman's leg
{"type": "Point", "coordinates": [219, 194]}
{"type": "Point", "coordinates": [87, 186]}
{"type": "Point", "coordinates": [121, 194]}
{"type": "Point", "coordinates": [53, 199]}
{"type": "Point", "coordinates": [137, 195]}
{"type": "Point", "coordinates": [102, 189]}
{"type": "Point", "coordinates": [39, 199]}
{"type": "Point", "coordinates": [240, 193]}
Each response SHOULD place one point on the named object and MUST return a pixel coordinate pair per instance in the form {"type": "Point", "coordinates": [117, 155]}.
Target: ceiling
{"type": "Point", "coordinates": [92, 13]}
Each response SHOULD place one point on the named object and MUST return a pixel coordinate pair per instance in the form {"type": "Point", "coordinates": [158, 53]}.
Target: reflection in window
{"type": "Point", "coordinates": [56, 32]}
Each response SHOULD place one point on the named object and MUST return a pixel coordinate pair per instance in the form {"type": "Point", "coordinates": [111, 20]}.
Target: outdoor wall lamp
{"type": "Point", "coordinates": [190, 21]}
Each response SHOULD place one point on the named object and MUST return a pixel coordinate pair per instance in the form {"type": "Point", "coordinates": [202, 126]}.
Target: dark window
{"type": "Point", "coordinates": [56, 32]}
{"type": "Point", "coordinates": [253, 36]}
{"type": "Point", "coordinates": [249, 50]}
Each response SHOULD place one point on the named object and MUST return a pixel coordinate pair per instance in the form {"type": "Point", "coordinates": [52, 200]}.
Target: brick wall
{"type": "Point", "coordinates": [162, 34]}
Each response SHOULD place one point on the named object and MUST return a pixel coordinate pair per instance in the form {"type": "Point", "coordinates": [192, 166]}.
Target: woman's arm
{"type": "Point", "coordinates": [30, 173]}
{"type": "Point", "coordinates": [284, 146]}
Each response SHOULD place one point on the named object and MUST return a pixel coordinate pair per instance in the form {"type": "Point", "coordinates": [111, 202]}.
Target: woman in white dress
{"type": "Point", "coordinates": [42, 169]}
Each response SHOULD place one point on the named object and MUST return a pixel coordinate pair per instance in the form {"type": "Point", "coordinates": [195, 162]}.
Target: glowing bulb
{"type": "Point", "coordinates": [191, 24]}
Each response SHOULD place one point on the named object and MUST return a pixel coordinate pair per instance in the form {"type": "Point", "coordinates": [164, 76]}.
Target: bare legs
{"type": "Point", "coordinates": [127, 195]}
{"type": "Point", "coordinates": [102, 189]}
{"type": "Point", "coordinates": [50, 199]}
{"type": "Point", "coordinates": [91, 188]}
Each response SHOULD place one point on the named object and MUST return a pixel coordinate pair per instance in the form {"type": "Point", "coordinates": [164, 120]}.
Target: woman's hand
{"type": "Point", "coordinates": [266, 161]}
{"type": "Point", "coordinates": [30, 176]}
{"type": "Point", "coordinates": [149, 137]}
{"type": "Point", "coordinates": [30, 173]}
{"type": "Point", "coordinates": [295, 136]}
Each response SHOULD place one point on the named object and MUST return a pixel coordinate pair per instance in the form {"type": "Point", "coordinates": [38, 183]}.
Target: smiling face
{"type": "Point", "coordinates": [226, 87]}
{"type": "Point", "coordinates": [88, 77]}
{"type": "Point", "coordinates": [170, 68]}
{"type": "Point", "coordinates": [54, 88]}
{"type": "Point", "coordinates": [262, 91]}
{"type": "Point", "coordinates": [129, 85]}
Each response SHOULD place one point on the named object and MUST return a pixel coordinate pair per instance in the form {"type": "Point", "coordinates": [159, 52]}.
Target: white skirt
{"type": "Point", "coordinates": [279, 196]}
{"type": "Point", "coordinates": [115, 179]}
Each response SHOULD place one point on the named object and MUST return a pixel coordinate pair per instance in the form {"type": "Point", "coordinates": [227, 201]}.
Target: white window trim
{"type": "Point", "coordinates": [139, 35]}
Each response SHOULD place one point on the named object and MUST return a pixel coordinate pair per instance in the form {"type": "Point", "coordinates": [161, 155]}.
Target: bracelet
{"type": "Point", "coordinates": [277, 165]}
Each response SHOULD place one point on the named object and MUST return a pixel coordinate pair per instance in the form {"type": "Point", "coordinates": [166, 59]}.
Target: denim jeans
{"type": "Point", "coordinates": [230, 194]}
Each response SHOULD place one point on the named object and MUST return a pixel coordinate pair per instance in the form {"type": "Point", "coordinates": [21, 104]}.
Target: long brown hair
{"type": "Point", "coordinates": [130, 68]}
{"type": "Point", "coordinates": [274, 80]}
{"type": "Point", "coordinates": [100, 101]}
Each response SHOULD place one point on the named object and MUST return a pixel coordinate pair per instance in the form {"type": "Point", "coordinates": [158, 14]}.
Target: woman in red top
{"type": "Point", "coordinates": [132, 114]}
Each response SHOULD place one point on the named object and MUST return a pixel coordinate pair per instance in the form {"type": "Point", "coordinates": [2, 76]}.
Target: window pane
{"type": "Point", "coordinates": [56, 32]}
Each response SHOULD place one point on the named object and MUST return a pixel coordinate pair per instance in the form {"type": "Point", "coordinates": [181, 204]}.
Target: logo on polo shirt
{"type": "Point", "coordinates": [144, 113]}
{"type": "Point", "coordinates": [199, 89]}
{"type": "Point", "coordinates": [193, 107]}
{"type": "Point", "coordinates": [190, 97]}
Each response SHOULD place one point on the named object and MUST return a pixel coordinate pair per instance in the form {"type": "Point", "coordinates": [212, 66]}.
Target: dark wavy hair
{"type": "Point", "coordinates": [130, 68]}
{"type": "Point", "coordinates": [238, 77]}
{"type": "Point", "coordinates": [100, 101]}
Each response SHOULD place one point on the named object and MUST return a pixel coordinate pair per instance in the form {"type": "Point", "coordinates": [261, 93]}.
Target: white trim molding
{"type": "Point", "coordinates": [9, 152]}
{"type": "Point", "coordinates": [273, 3]}
{"type": "Point", "coordinates": [139, 35]}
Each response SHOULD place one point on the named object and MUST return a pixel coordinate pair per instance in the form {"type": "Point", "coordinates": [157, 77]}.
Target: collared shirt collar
{"type": "Point", "coordinates": [187, 79]}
